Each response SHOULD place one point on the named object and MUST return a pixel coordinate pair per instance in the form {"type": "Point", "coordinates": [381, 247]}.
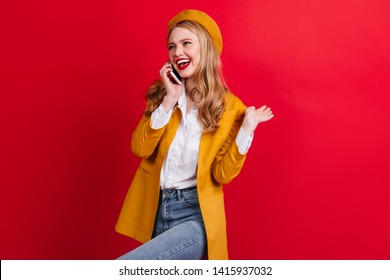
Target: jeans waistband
{"type": "Point", "coordinates": [178, 193]}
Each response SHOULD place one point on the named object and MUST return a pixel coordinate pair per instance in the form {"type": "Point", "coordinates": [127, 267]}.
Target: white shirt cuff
{"type": "Point", "coordinates": [160, 117]}
{"type": "Point", "coordinates": [243, 141]}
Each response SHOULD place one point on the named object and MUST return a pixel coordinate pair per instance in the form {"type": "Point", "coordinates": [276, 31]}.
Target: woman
{"type": "Point", "coordinates": [193, 138]}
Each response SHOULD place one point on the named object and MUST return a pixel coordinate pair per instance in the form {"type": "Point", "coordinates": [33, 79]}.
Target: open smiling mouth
{"type": "Point", "coordinates": [183, 63]}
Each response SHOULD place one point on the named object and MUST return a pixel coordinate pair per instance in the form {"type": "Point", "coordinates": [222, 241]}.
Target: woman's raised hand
{"type": "Point", "coordinates": [255, 116]}
{"type": "Point", "coordinates": [173, 90]}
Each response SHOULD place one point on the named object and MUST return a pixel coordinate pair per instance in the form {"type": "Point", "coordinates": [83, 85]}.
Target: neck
{"type": "Point", "coordinates": [189, 84]}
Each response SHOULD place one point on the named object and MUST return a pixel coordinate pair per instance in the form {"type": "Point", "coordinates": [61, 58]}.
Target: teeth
{"type": "Point", "coordinates": [182, 62]}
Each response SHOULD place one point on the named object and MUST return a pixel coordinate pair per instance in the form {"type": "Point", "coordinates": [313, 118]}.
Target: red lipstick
{"type": "Point", "coordinates": [183, 63]}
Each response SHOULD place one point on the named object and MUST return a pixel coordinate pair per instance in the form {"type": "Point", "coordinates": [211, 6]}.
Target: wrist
{"type": "Point", "coordinates": [249, 130]}
{"type": "Point", "coordinates": [168, 104]}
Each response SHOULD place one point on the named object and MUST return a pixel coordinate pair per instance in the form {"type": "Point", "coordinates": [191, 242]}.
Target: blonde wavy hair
{"type": "Point", "coordinates": [210, 87]}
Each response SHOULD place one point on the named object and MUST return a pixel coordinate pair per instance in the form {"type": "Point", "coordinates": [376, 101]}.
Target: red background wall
{"type": "Point", "coordinates": [316, 181]}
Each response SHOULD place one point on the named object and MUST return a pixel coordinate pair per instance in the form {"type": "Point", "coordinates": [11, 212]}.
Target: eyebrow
{"type": "Point", "coordinates": [182, 40]}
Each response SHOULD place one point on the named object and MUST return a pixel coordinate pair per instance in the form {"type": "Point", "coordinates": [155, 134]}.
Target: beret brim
{"type": "Point", "coordinates": [203, 19]}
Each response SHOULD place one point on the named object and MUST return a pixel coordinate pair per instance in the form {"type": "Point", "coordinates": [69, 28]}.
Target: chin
{"type": "Point", "coordinates": [186, 75]}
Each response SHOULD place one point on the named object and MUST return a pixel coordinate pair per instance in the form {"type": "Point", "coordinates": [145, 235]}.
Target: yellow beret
{"type": "Point", "coordinates": [203, 19]}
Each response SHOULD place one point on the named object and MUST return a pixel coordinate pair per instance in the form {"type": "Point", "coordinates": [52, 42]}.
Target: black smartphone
{"type": "Point", "coordinates": [175, 76]}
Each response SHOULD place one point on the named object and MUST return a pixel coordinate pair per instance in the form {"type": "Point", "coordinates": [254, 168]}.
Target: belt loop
{"type": "Point", "coordinates": [178, 191]}
{"type": "Point", "coordinates": [162, 194]}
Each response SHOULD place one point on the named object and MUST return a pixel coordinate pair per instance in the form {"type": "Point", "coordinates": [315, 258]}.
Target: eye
{"type": "Point", "coordinates": [186, 43]}
{"type": "Point", "coordinates": [170, 47]}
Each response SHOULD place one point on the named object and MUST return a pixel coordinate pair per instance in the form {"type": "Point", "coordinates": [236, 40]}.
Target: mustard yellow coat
{"type": "Point", "coordinates": [219, 162]}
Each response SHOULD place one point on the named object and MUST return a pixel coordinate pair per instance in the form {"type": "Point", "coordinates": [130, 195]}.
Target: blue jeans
{"type": "Point", "coordinates": [179, 232]}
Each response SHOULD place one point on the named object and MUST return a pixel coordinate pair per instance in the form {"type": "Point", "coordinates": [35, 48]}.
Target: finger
{"type": "Point", "coordinates": [265, 114]}
{"type": "Point", "coordinates": [267, 110]}
{"type": "Point", "coordinates": [262, 108]}
{"type": "Point", "coordinates": [165, 70]}
{"type": "Point", "coordinates": [164, 74]}
{"type": "Point", "coordinates": [249, 109]}
{"type": "Point", "coordinates": [167, 65]}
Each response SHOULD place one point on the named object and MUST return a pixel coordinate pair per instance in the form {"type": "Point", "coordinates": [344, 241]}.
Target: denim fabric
{"type": "Point", "coordinates": [179, 232]}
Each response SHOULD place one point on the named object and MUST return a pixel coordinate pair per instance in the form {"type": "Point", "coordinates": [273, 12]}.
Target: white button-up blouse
{"type": "Point", "coordinates": [180, 165]}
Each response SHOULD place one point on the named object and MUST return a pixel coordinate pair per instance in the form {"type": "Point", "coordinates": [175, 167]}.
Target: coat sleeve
{"type": "Point", "coordinates": [228, 161]}
{"type": "Point", "coordinates": [145, 139]}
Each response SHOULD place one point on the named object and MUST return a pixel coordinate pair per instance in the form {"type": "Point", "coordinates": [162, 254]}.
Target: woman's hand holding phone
{"type": "Point", "coordinates": [172, 88]}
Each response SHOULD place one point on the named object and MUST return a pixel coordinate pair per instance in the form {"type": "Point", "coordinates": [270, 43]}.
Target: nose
{"type": "Point", "coordinates": [178, 51]}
